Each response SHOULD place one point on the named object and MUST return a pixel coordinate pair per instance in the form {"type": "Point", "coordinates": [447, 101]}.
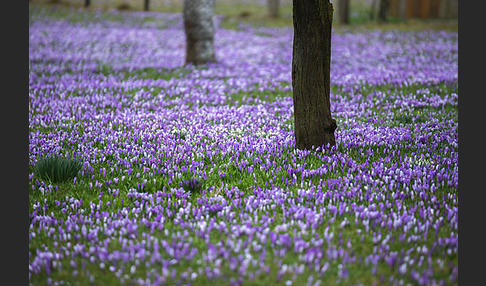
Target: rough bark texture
{"type": "Point", "coordinates": [311, 64]}
{"type": "Point", "coordinates": [146, 5]}
{"type": "Point", "coordinates": [273, 8]}
{"type": "Point", "coordinates": [343, 11]}
{"type": "Point", "coordinates": [199, 29]}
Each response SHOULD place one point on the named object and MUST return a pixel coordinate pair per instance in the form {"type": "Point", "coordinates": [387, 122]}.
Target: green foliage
{"type": "Point", "coordinates": [409, 118]}
{"type": "Point", "coordinates": [192, 185]}
{"type": "Point", "coordinates": [256, 96]}
{"type": "Point", "coordinates": [57, 169]}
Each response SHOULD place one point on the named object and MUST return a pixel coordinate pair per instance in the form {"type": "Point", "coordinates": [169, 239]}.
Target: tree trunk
{"type": "Point", "coordinates": [146, 5]}
{"type": "Point", "coordinates": [86, 3]}
{"type": "Point", "coordinates": [402, 9]}
{"type": "Point", "coordinates": [444, 9]}
{"type": "Point", "coordinates": [373, 10]}
{"type": "Point", "coordinates": [311, 65]}
{"type": "Point", "coordinates": [343, 11]}
{"type": "Point", "coordinates": [383, 11]}
{"type": "Point", "coordinates": [273, 8]}
{"type": "Point", "coordinates": [199, 29]}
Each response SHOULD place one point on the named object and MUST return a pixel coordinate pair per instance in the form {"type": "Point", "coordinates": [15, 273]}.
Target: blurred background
{"type": "Point", "coordinates": [436, 14]}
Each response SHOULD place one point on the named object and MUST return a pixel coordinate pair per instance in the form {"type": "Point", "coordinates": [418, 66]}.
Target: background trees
{"type": "Point", "coordinates": [343, 11]}
{"type": "Point", "coordinates": [278, 12]}
{"type": "Point", "coordinates": [383, 11]}
{"type": "Point", "coordinates": [273, 8]}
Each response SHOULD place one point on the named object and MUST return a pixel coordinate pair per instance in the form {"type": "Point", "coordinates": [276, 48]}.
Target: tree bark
{"type": "Point", "coordinates": [273, 8]}
{"type": "Point", "coordinates": [444, 9]}
{"type": "Point", "coordinates": [146, 5]}
{"type": "Point", "coordinates": [383, 11]}
{"type": "Point", "coordinates": [343, 11]}
{"type": "Point", "coordinates": [311, 65]}
{"type": "Point", "coordinates": [199, 29]}
{"type": "Point", "coordinates": [402, 9]}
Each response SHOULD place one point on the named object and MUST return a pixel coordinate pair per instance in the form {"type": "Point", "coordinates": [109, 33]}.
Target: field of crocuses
{"type": "Point", "coordinates": [190, 176]}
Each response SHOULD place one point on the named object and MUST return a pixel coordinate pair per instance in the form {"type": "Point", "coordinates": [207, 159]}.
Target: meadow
{"type": "Point", "coordinates": [189, 175]}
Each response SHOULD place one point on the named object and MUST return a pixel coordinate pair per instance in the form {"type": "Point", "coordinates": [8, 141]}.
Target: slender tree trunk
{"type": "Point", "coordinates": [373, 9]}
{"type": "Point", "coordinates": [402, 9]}
{"type": "Point", "coordinates": [444, 9]}
{"type": "Point", "coordinates": [87, 3]}
{"type": "Point", "coordinates": [273, 8]}
{"type": "Point", "coordinates": [343, 11]}
{"type": "Point", "coordinates": [311, 64]}
{"type": "Point", "coordinates": [199, 29]}
{"type": "Point", "coordinates": [146, 5]}
{"type": "Point", "coordinates": [383, 11]}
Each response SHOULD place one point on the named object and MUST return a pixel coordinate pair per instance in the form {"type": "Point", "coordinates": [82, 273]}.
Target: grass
{"type": "Point", "coordinates": [110, 203]}
{"type": "Point", "coordinates": [225, 190]}
{"type": "Point", "coordinates": [56, 169]}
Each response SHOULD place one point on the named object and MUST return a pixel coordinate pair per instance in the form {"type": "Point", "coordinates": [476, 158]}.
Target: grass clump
{"type": "Point", "coordinates": [57, 169]}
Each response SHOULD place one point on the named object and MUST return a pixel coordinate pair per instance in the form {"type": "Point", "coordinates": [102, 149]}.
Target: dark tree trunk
{"type": "Point", "coordinates": [383, 11]}
{"type": "Point", "coordinates": [311, 65]}
{"type": "Point", "coordinates": [343, 11]}
{"type": "Point", "coordinates": [146, 5]}
{"type": "Point", "coordinates": [199, 29]}
{"type": "Point", "coordinates": [86, 3]}
{"type": "Point", "coordinates": [273, 8]}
